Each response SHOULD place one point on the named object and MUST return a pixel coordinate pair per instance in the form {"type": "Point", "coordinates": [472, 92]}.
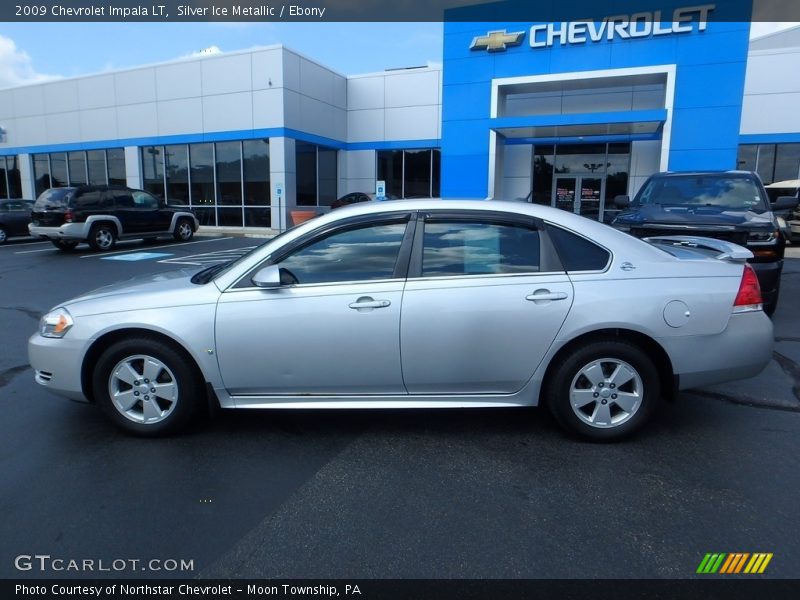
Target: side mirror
{"type": "Point", "coordinates": [622, 202]}
{"type": "Point", "coordinates": [267, 277]}
{"type": "Point", "coordinates": [785, 203]}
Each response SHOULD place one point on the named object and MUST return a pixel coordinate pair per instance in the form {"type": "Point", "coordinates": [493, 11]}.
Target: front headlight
{"type": "Point", "coordinates": [763, 237]}
{"type": "Point", "coordinates": [55, 324]}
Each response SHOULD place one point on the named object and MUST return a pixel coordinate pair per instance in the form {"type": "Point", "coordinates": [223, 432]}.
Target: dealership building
{"type": "Point", "coordinates": [566, 113]}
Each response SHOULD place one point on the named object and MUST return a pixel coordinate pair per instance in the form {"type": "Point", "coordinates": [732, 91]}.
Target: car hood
{"type": "Point", "coordinates": [694, 216]}
{"type": "Point", "coordinates": [172, 288]}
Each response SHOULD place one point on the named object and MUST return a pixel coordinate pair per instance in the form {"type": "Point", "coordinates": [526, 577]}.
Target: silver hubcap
{"type": "Point", "coordinates": [143, 389]}
{"type": "Point", "coordinates": [606, 393]}
{"type": "Point", "coordinates": [184, 231]}
{"type": "Point", "coordinates": [2, 235]}
{"type": "Point", "coordinates": [104, 238]}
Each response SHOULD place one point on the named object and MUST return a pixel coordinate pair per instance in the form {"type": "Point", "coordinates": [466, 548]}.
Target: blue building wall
{"type": "Point", "coordinates": [709, 83]}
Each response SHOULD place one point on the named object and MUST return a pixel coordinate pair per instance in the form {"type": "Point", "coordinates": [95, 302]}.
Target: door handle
{"type": "Point", "coordinates": [367, 302]}
{"type": "Point", "coordinates": [540, 295]}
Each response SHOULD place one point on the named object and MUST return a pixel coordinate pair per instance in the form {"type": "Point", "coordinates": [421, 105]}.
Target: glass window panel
{"type": "Point", "coordinates": [306, 164]}
{"type": "Point", "coordinates": [58, 170]}
{"type": "Point", "coordinates": [417, 174]}
{"type": "Point", "coordinates": [787, 162]}
{"type": "Point", "coordinates": [201, 161]}
{"type": "Point", "coordinates": [766, 163]}
{"type": "Point", "coordinates": [543, 161]}
{"type": "Point", "coordinates": [153, 169]}
{"type": "Point", "coordinates": [116, 166]}
{"type": "Point", "coordinates": [3, 184]}
{"type": "Point", "coordinates": [581, 158]}
{"type": "Point", "coordinates": [463, 248]}
{"type": "Point", "coordinates": [354, 255]}
{"type": "Point", "coordinates": [92, 200]}
{"type": "Point", "coordinates": [746, 161]}
{"type": "Point", "coordinates": [14, 182]}
{"type": "Point", "coordinates": [176, 160]}
{"type": "Point", "coordinates": [436, 175]}
{"type": "Point", "coordinates": [229, 217]}
{"type": "Point", "coordinates": [41, 173]}
{"type": "Point", "coordinates": [256, 173]}
{"type": "Point", "coordinates": [205, 215]}
{"type": "Point", "coordinates": [77, 168]}
{"type": "Point", "coordinates": [327, 169]}
{"type": "Point", "coordinates": [96, 163]}
{"type": "Point", "coordinates": [258, 217]}
{"type": "Point", "coordinates": [390, 170]}
{"type": "Point", "coordinates": [229, 174]}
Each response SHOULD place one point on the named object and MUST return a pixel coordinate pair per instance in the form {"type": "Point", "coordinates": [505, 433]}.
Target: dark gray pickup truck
{"type": "Point", "coordinates": [729, 205]}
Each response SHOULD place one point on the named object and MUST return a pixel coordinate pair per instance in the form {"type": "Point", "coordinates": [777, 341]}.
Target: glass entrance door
{"type": "Point", "coordinates": [581, 194]}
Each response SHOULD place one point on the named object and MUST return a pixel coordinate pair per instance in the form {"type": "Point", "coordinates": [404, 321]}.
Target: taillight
{"type": "Point", "coordinates": [68, 216]}
{"type": "Point", "coordinates": [749, 296]}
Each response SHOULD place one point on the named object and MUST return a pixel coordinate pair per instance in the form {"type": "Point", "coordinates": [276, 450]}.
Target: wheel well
{"type": "Point", "coordinates": [108, 222]}
{"type": "Point", "coordinates": [104, 341]}
{"type": "Point", "coordinates": [653, 349]}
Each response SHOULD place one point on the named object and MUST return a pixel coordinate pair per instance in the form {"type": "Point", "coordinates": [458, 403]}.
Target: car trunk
{"type": "Point", "coordinates": [51, 207]}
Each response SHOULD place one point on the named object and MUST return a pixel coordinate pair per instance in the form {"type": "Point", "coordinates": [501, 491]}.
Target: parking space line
{"type": "Point", "coordinates": [209, 258]}
{"type": "Point", "coordinates": [31, 251]}
{"type": "Point", "coordinates": [172, 245]}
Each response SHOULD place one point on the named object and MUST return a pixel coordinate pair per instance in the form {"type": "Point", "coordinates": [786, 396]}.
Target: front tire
{"type": "Point", "coordinates": [147, 387]}
{"type": "Point", "coordinates": [102, 237]}
{"type": "Point", "coordinates": [604, 391]}
{"type": "Point", "coordinates": [183, 230]}
{"type": "Point", "coordinates": [3, 236]}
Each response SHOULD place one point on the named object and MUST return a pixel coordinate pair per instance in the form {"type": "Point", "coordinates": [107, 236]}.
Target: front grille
{"type": "Point", "coordinates": [736, 237]}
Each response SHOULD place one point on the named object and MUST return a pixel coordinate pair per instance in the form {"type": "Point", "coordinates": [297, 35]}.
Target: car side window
{"type": "Point", "coordinates": [144, 200]}
{"type": "Point", "coordinates": [358, 254]}
{"type": "Point", "coordinates": [452, 248]}
{"type": "Point", "coordinates": [90, 200]}
{"type": "Point", "coordinates": [119, 199]}
{"type": "Point", "coordinates": [576, 252]}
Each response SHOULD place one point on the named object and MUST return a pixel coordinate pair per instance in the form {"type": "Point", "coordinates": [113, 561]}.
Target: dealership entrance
{"type": "Point", "coordinates": [582, 194]}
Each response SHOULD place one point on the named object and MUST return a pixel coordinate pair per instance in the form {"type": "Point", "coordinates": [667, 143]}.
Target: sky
{"type": "Point", "coordinates": [33, 52]}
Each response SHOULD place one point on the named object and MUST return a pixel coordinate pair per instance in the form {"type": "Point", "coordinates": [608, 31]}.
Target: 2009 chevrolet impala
{"type": "Point", "coordinates": [419, 304]}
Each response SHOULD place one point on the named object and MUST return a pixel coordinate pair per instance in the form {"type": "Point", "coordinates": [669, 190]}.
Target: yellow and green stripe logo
{"type": "Point", "coordinates": [733, 563]}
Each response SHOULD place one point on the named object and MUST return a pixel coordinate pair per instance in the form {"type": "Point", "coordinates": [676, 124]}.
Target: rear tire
{"type": "Point", "coordinates": [65, 245]}
{"type": "Point", "coordinates": [183, 230]}
{"type": "Point", "coordinates": [146, 387]}
{"type": "Point", "coordinates": [3, 236]}
{"type": "Point", "coordinates": [102, 237]}
{"type": "Point", "coordinates": [604, 391]}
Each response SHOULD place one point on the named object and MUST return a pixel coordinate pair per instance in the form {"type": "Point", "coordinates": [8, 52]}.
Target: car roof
{"type": "Point", "coordinates": [704, 174]}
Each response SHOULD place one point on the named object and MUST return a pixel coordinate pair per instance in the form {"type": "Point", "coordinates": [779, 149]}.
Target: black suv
{"type": "Point", "coordinates": [730, 205]}
{"type": "Point", "coordinates": [100, 215]}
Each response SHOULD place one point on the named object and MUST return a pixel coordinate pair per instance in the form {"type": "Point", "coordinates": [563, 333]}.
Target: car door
{"type": "Point", "coordinates": [333, 329]}
{"type": "Point", "coordinates": [149, 218]}
{"type": "Point", "coordinates": [119, 202]}
{"type": "Point", "coordinates": [485, 298]}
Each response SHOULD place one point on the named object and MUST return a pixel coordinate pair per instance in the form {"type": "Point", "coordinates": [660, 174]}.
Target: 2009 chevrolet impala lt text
{"type": "Point", "coordinates": [419, 304]}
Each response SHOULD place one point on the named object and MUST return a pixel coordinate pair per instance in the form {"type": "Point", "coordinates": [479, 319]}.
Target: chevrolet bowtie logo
{"type": "Point", "coordinates": [497, 41]}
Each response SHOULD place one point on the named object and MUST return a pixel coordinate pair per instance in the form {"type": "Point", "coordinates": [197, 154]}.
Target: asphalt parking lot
{"type": "Point", "coordinates": [416, 494]}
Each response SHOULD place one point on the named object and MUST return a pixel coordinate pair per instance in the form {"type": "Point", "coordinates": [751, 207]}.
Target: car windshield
{"type": "Point", "coordinates": [53, 198]}
{"type": "Point", "coordinates": [723, 192]}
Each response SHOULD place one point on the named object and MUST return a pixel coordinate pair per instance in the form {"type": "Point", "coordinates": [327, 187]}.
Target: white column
{"type": "Point", "coordinates": [133, 168]}
{"type": "Point", "coordinates": [25, 163]}
{"type": "Point", "coordinates": [282, 170]}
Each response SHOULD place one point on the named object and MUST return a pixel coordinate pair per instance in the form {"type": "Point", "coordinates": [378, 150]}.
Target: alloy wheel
{"type": "Point", "coordinates": [606, 393]}
{"type": "Point", "coordinates": [143, 389]}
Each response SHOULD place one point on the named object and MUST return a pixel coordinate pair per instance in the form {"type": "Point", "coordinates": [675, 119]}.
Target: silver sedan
{"type": "Point", "coordinates": [418, 304]}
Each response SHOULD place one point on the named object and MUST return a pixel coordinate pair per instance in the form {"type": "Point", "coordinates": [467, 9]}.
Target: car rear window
{"type": "Point", "coordinates": [53, 198]}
